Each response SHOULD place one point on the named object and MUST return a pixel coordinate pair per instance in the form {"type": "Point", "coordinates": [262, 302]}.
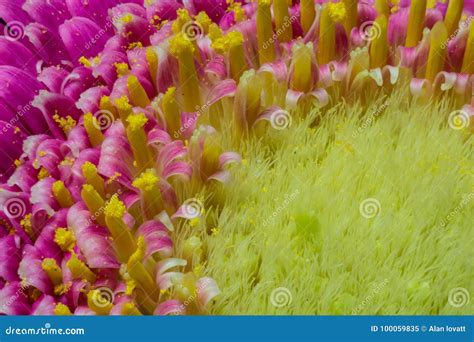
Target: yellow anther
{"type": "Point", "coordinates": [92, 127]}
{"type": "Point", "coordinates": [53, 271]}
{"type": "Point", "coordinates": [62, 194]}
{"type": "Point", "coordinates": [65, 239]}
{"type": "Point", "coordinates": [62, 310]}
{"type": "Point", "coordinates": [416, 23]}
{"type": "Point", "coordinates": [79, 269]}
{"type": "Point", "coordinates": [138, 95]}
{"type": "Point", "coordinates": [121, 68]}
{"type": "Point", "coordinates": [437, 55]}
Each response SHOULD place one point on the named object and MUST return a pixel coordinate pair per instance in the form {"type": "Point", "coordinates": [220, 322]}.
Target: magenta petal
{"type": "Point", "coordinates": [93, 240]}
{"type": "Point", "coordinates": [156, 238]}
{"type": "Point", "coordinates": [44, 306]}
{"type": "Point", "coordinates": [50, 13]}
{"type": "Point", "coordinates": [31, 272]}
{"type": "Point", "coordinates": [207, 289]}
{"type": "Point", "coordinates": [164, 9]}
{"type": "Point", "coordinates": [179, 168]}
{"type": "Point", "coordinates": [53, 77]}
{"type": "Point", "coordinates": [9, 155]}
{"type": "Point", "coordinates": [78, 33]}
{"type": "Point", "coordinates": [13, 300]}
{"type": "Point", "coordinates": [45, 242]}
{"type": "Point", "coordinates": [50, 47]}
{"type": "Point", "coordinates": [9, 257]}
{"type": "Point", "coordinates": [170, 307]}
{"type": "Point", "coordinates": [18, 56]}
{"type": "Point", "coordinates": [223, 89]}
{"type": "Point", "coordinates": [24, 176]}
{"type": "Point", "coordinates": [79, 80]}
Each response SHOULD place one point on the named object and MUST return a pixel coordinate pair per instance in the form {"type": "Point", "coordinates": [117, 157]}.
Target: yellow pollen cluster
{"type": "Point", "coordinates": [65, 239]}
{"type": "Point", "coordinates": [215, 32]}
{"type": "Point", "coordinates": [139, 253]}
{"type": "Point", "coordinates": [127, 18]}
{"type": "Point", "coordinates": [179, 44]}
{"type": "Point", "coordinates": [337, 11]}
{"type": "Point", "coordinates": [203, 19]}
{"type": "Point", "coordinates": [146, 181]}
{"type": "Point", "coordinates": [89, 170]}
{"type": "Point", "coordinates": [121, 68]}
{"type": "Point", "coordinates": [84, 61]}
{"type": "Point", "coordinates": [115, 207]}
{"type": "Point", "coordinates": [236, 7]}
{"type": "Point", "coordinates": [183, 17]}
{"type": "Point", "coordinates": [136, 121]}
{"type": "Point", "coordinates": [66, 124]}
{"type": "Point", "coordinates": [62, 310]}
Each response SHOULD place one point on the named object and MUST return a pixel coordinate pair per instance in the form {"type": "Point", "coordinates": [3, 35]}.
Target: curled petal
{"type": "Point", "coordinates": [207, 290]}
{"type": "Point", "coordinates": [170, 307]}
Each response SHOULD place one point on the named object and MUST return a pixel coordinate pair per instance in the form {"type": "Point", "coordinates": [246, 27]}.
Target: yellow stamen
{"type": "Point", "coordinates": [94, 203]}
{"type": "Point", "coordinates": [203, 20]}
{"type": "Point", "coordinates": [89, 171]}
{"type": "Point", "coordinates": [416, 22]}
{"type": "Point", "coordinates": [122, 69]}
{"type": "Point", "coordinates": [382, 8]}
{"type": "Point", "coordinates": [248, 93]}
{"type": "Point", "coordinates": [282, 20]}
{"type": "Point", "coordinates": [308, 14]}
{"type": "Point", "coordinates": [210, 155]}
{"type": "Point", "coordinates": [65, 239]}
{"type": "Point", "coordinates": [468, 62]}
{"type": "Point", "coordinates": [351, 17]}
{"type": "Point", "coordinates": [27, 226]}
{"type": "Point", "coordinates": [84, 61]}
{"type": "Point", "coordinates": [137, 271]}
{"type": "Point", "coordinates": [62, 310]}
{"type": "Point", "coordinates": [97, 303]}
{"type": "Point", "coordinates": [79, 269]}
{"type": "Point", "coordinates": [215, 32]}
{"type": "Point", "coordinates": [138, 95]}
{"type": "Point", "coordinates": [327, 37]}
{"type": "Point", "coordinates": [266, 50]}
{"type": "Point", "coordinates": [130, 309]}
{"type": "Point", "coordinates": [65, 123]}
{"type": "Point", "coordinates": [379, 46]}
{"type": "Point", "coordinates": [92, 127]}
{"type": "Point", "coordinates": [171, 112]}
{"type": "Point", "coordinates": [151, 196]}
{"type": "Point", "coordinates": [53, 271]}
{"type": "Point", "coordinates": [302, 58]}
{"type": "Point", "coordinates": [62, 195]}
{"type": "Point", "coordinates": [124, 242]}
{"type": "Point", "coordinates": [106, 105]}
{"type": "Point", "coordinates": [182, 48]}
{"type": "Point", "coordinates": [436, 58]}
{"type": "Point", "coordinates": [237, 61]}
{"type": "Point", "coordinates": [138, 140]}
{"type": "Point", "coordinates": [453, 15]}
{"type": "Point", "coordinates": [124, 108]}
{"type": "Point", "coordinates": [152, 60]}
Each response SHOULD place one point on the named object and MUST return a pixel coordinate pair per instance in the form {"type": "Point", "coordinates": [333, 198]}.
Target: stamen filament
{"type": "Point", "coordinates": [62, 194]}
{"type": "Point", "coordinates": [79, 269]}
{"type": "Point", "coordinates": [138, 95]}
{"type": "Point", "coordinates": [436, 58]}
{"type": "Point", "coordinates": [53, 271]}
{"type": "Point", "coordinates": [237, 61]}
{"type": "Point", "coordinates": [93, 130]}
{"type": "Point", "coordinates": [89, 171]}
{"type": "Point", "coordinates": [94, 202]}
{"type": "Point", "coordinates": [106, 105]}
{"type": "Point", "coordinates": [282, 20]}
{"type": "Point", "coordinates": [123, 239]}
{"type": "Point", "coordinates": [416, 22]}
{"type": "Point", "coordinates": [453, 15]}
{"type": "Point", "coordinates": [266, 50]}
{"type": "Point", "coordinates": [151, 195]}
{"type": "Point", "coordinates": [171, 111]}
{"type": "Point", "coordinates": [138, 272]}
{"type": "Point", "coordinates": [379, 46]}
{"type": "Point", "coordinates": [327, 37]}
{"type": "Point", "coordinates": [130, 309]}
{"type": "Point", "coordinates": [124, 109]}
{"type": "Point", "coordinates": [351, 18]}
{"type": "Point", "coordinates": [468, 61]}
{"type": "Point", "coordinates": [382, 8]}
{"type": "Point", "coordinates": [152, 60]}
{"type": "Point", "coordinates": [302, 75]}
{"type": "Point", "coordinates": [308, 14]}
{"type": "Point", "coordinates": [138, 140]}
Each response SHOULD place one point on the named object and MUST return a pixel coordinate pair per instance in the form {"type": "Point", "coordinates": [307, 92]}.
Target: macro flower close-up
{"type": "Point", "coordinates": [234, 157]}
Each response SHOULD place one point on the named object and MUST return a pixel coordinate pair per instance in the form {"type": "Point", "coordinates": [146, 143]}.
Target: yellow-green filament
{"type": "Point", "coordinates": [171, 112]}
{"type": "Point", "coordinates": [147, 183]}
{"type": "Point", "coordinates": [182, 48]}
{"type": "Point", "coordinates": [237, 61]}
{"type": "Point", "coordinates": [138, 140]}
{"type": "Point", "coordinates": [351, 17]}
{"type": "Point", "coordinates": [302, 74]}
{"type": "Point", "coordinates": [62, 194]}
{"type": "Point", "coordinates": [94, 203]}
{"type": "Point", "coordinates": [266, 50]}
{"type": "Point", "coordinates": [53, 271]}
{"type": "Point", "coordinates": [138, 272]}
{"type": "Point", "coordinates": [124, 109]}
{"type": "Point", "coordinates": [123, 239]}
{"type": "Point", "coordinates": [436, 58]}
{"type": "Point", "coordinates": [416, 22]}
{"type": "Point", "coordinates": [308, 14]}
{"type": "Point", "coordinates": [453, 15]}
{"type": "Point", "coordinates": [152, 60]}
{"type": "Point", "coordinates": [282, 20]}
{"type": "Point", "coordinates": [468, 61]}
{"type": "Point", "coordinates": [327, 37]}
{"type": "Point", "coordinates": [381, 6]}
{"type": "Point", "coordinates": [89, 171]}
{"type": "Point", "coordinates": [93, 130]}
{"type": "Point", "coordinates": [79, 269]}
{"type": "Point", "coordinates": [137, 93]}
{"type": "Point", "coordinates": [379, 46]}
